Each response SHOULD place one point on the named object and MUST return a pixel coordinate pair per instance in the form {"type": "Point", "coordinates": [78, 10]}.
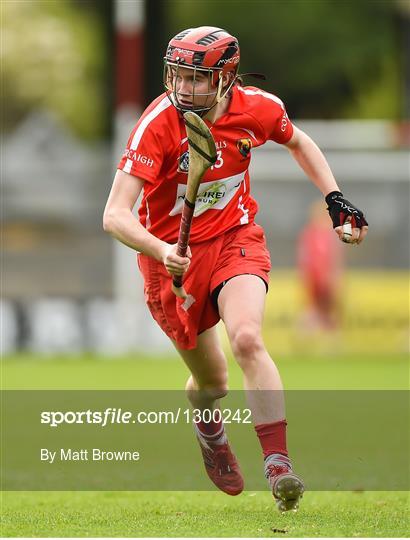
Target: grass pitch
{"type": "Point", "coordinates": [344, 372]}
{"type": "Point", "coordinates": [200, 514]}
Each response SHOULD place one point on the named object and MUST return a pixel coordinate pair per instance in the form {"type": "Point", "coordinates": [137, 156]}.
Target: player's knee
{"type": "Point", "coordinates": [246, 343]}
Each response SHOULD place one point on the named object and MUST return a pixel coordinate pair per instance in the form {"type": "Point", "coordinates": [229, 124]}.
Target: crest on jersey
{"type": "Point", "coordinates": [244, 146]}
{"type": "Point", "coordinates": [183, 162]}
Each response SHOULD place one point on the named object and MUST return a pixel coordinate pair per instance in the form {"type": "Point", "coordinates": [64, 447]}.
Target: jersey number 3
{"type": "Point", "coordinates": [219, 160]}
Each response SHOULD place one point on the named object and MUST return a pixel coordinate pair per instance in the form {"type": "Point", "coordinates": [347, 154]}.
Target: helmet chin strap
{"type": "Point", "coordinates": [221, 93]}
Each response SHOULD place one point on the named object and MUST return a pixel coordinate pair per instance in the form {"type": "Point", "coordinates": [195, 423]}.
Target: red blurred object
{"type": "Point", "coordinates": [320, 263]}
{"type": "Point", "coordinates": [129, 67]}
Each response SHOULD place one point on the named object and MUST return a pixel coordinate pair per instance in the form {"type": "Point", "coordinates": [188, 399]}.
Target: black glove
{"type": "Point", "coordinates": [339, 209]}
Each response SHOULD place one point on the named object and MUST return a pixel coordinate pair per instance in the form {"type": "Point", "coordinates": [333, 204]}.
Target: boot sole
{"type": "Point", "coordinates": [288, 490]}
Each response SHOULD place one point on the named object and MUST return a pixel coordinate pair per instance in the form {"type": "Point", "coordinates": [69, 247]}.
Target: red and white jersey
{"type": "Point", "coordinates": [157, 152]}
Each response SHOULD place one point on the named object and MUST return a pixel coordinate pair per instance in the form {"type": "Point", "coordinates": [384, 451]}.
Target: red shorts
{"type": "Point", "coordinates": [241, 250]}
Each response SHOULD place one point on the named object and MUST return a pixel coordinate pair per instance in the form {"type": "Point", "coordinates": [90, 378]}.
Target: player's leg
{"type": "Point", "coordinates": [206, 385]}
{"type": "Point", "coordinates": [208, 381]}
{"type": "Point", "coordinates": [209, 374]}
{"type": "Point", "coordinates": [241, 304]}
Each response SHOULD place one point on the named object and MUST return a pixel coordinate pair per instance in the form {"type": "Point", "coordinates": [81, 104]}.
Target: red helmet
{"type": "Point", "coordinates": [206, 49]}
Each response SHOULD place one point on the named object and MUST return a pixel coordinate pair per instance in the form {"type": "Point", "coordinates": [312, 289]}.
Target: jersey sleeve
{"type": "Point", "coordinates": [272, 116]}
{"type": "Point", "coordinates": [282, 129]}
{"type": "Point", "coordinates": [144, 154]}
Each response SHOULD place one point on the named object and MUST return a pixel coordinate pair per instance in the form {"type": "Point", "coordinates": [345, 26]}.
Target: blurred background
{"type": "Point", "coordinates": [75, 76]}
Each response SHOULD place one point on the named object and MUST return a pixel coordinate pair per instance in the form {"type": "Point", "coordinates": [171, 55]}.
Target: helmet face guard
{"type": "Point", "coordinates": [214, 92]}
{"type": "Point", "coordinates": [206, 50]}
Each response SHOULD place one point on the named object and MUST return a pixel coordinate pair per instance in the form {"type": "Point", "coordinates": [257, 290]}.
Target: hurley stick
{"type": "Point", "coordinates": [202, 154]}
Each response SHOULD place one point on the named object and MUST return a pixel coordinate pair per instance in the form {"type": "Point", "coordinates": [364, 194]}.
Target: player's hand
{"type": "Point", "coordinates": [175, 265]}
{"type": "Point", "coordinates": [348, 221]}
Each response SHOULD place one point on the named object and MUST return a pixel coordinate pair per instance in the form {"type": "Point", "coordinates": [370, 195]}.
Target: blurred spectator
{"type": "Point", "coordinates": [320, 263]}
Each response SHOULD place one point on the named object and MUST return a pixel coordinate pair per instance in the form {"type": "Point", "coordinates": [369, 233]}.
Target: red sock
{"type": "Point", "coordinates": [272, 438]}
{"type": "Point", "coordinates": [210, 429]}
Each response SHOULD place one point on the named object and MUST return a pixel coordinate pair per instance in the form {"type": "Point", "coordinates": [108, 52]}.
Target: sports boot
{"type": "Point", "coordinates": [220, 464]}
{"type": "Point", "coordinates": [287, 488]}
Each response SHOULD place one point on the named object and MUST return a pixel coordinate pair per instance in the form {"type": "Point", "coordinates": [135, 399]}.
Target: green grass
{"type": "Point", "coordinates": [374, 372]}
{"type": "Point", "coordinates": [172, 514]}
{"type": "Point", "coordinates": [198, 514]}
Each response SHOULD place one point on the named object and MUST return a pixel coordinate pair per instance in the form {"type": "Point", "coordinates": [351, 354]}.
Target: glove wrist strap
{"type": "Point", "coordinates": [332, 195]}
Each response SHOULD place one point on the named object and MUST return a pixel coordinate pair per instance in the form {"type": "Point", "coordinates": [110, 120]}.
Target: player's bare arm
{"type": "Point", "coordinates": [120, 222]}
{"type": "Point", "coordinates": [311, 159]}
{"type": "Point", "coordinates": [348, 221]}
